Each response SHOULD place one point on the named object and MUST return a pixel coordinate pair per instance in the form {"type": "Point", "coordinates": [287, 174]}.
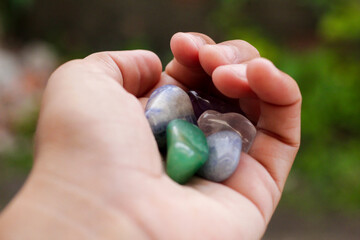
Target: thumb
{"type": "Point", "coordinates": [89, 110]}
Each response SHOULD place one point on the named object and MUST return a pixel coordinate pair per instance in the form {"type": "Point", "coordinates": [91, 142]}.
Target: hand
{"type": "Point", "coordinates": [97, 172]}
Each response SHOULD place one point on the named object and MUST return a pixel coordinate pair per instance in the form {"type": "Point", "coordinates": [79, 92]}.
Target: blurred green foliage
{"type": "Point", "coordinates": [342, 22]}
{"type": "Point", "coordinates": [325, 61]}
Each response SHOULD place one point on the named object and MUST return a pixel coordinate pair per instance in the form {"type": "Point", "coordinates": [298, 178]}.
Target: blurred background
{"type": "Point", "coordinates": [316, 41]}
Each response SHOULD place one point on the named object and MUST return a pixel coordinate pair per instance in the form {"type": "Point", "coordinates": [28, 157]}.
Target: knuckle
{"type": "Point", "coordinates": [253, 49]}
{"type": "Point", "coordinates": [65, 68]}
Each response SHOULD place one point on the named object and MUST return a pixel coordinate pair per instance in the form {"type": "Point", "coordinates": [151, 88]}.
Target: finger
{"type": "Point", "coordinates": [185, 47]}
{"type": "Point", "coordinates": [280, 101]}
{"type": "Point", "coordinates": [262, 172]}
{"type": "Point", "coordinates": [231, 80]}
{"type": "Point", "coordinates": [278, 137]}
{"type": "Point", "coordinates": [229, 52]}
{"type": "Point", "coordinates": [138, 71]}
{"type": "Point", "coordinates": [85, 108]}
{"type": "Point", "coordinates": [185, 67]}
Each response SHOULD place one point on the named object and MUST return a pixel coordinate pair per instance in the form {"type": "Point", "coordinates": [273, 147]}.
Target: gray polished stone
{"type": "Point", "coordinates": [224, 155]}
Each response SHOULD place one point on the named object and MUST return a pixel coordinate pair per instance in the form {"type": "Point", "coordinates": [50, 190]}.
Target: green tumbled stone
{"type": "Point", "coordinates": [187, 150]}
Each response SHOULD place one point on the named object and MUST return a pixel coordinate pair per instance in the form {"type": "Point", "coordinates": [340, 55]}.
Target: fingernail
{"type": "Point", "coordinates": [229, 52]}
{"type": "Point", "coordinates": [197, 41]}
{"type": "Point", "coordinates": [239, 70]}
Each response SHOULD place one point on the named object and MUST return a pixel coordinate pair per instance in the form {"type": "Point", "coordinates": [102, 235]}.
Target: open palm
{"type": "Point", "coordinates": [98, 173]}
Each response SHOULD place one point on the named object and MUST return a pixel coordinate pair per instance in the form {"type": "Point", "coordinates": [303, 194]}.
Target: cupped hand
{"type": "Point", "coordinates": [97, 171]}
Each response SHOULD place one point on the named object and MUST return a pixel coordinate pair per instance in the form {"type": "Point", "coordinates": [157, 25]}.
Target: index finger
{"type": "Point", "coordinates": [196, 56]}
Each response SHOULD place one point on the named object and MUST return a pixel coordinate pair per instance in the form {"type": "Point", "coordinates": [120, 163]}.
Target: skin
{"type": "Point", "coordinates": [97, 172]}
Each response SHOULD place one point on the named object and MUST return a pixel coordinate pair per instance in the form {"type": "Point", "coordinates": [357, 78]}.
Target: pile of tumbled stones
{"type": "Point", "coordinates": [200, 133]}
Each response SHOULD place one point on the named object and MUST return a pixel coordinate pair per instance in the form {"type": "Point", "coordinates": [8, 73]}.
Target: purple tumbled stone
{"type": "Point", "coordinates": [202, 102]}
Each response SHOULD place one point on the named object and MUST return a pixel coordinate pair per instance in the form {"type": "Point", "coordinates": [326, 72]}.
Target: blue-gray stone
{"type": "Point", "coordinates": [167, 103]}
{"type": "Point", "coordinates": [224, 155]}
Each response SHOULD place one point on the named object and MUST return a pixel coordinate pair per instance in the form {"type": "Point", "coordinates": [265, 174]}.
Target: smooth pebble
{"type": "Point", "coordinates": [167, 103]}
{"type": "Point", "coordinates": [212, 121]}
{"type": "Point", "coordinates": [187, 150]}
{"type": "Point", "coordinates": [224, 155]}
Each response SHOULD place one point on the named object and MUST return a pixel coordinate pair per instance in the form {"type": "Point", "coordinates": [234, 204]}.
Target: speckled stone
{"type": "Point", "coordinates": [202, 102]}
{"type": "Point", "coordinates": [187, 150]}
{"type": "Point", "coordinates": [211, 122]}
{"type": "Point", "coordinates": [224, 155]}
{"type": "Point", "coordinates": [167, 103]}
